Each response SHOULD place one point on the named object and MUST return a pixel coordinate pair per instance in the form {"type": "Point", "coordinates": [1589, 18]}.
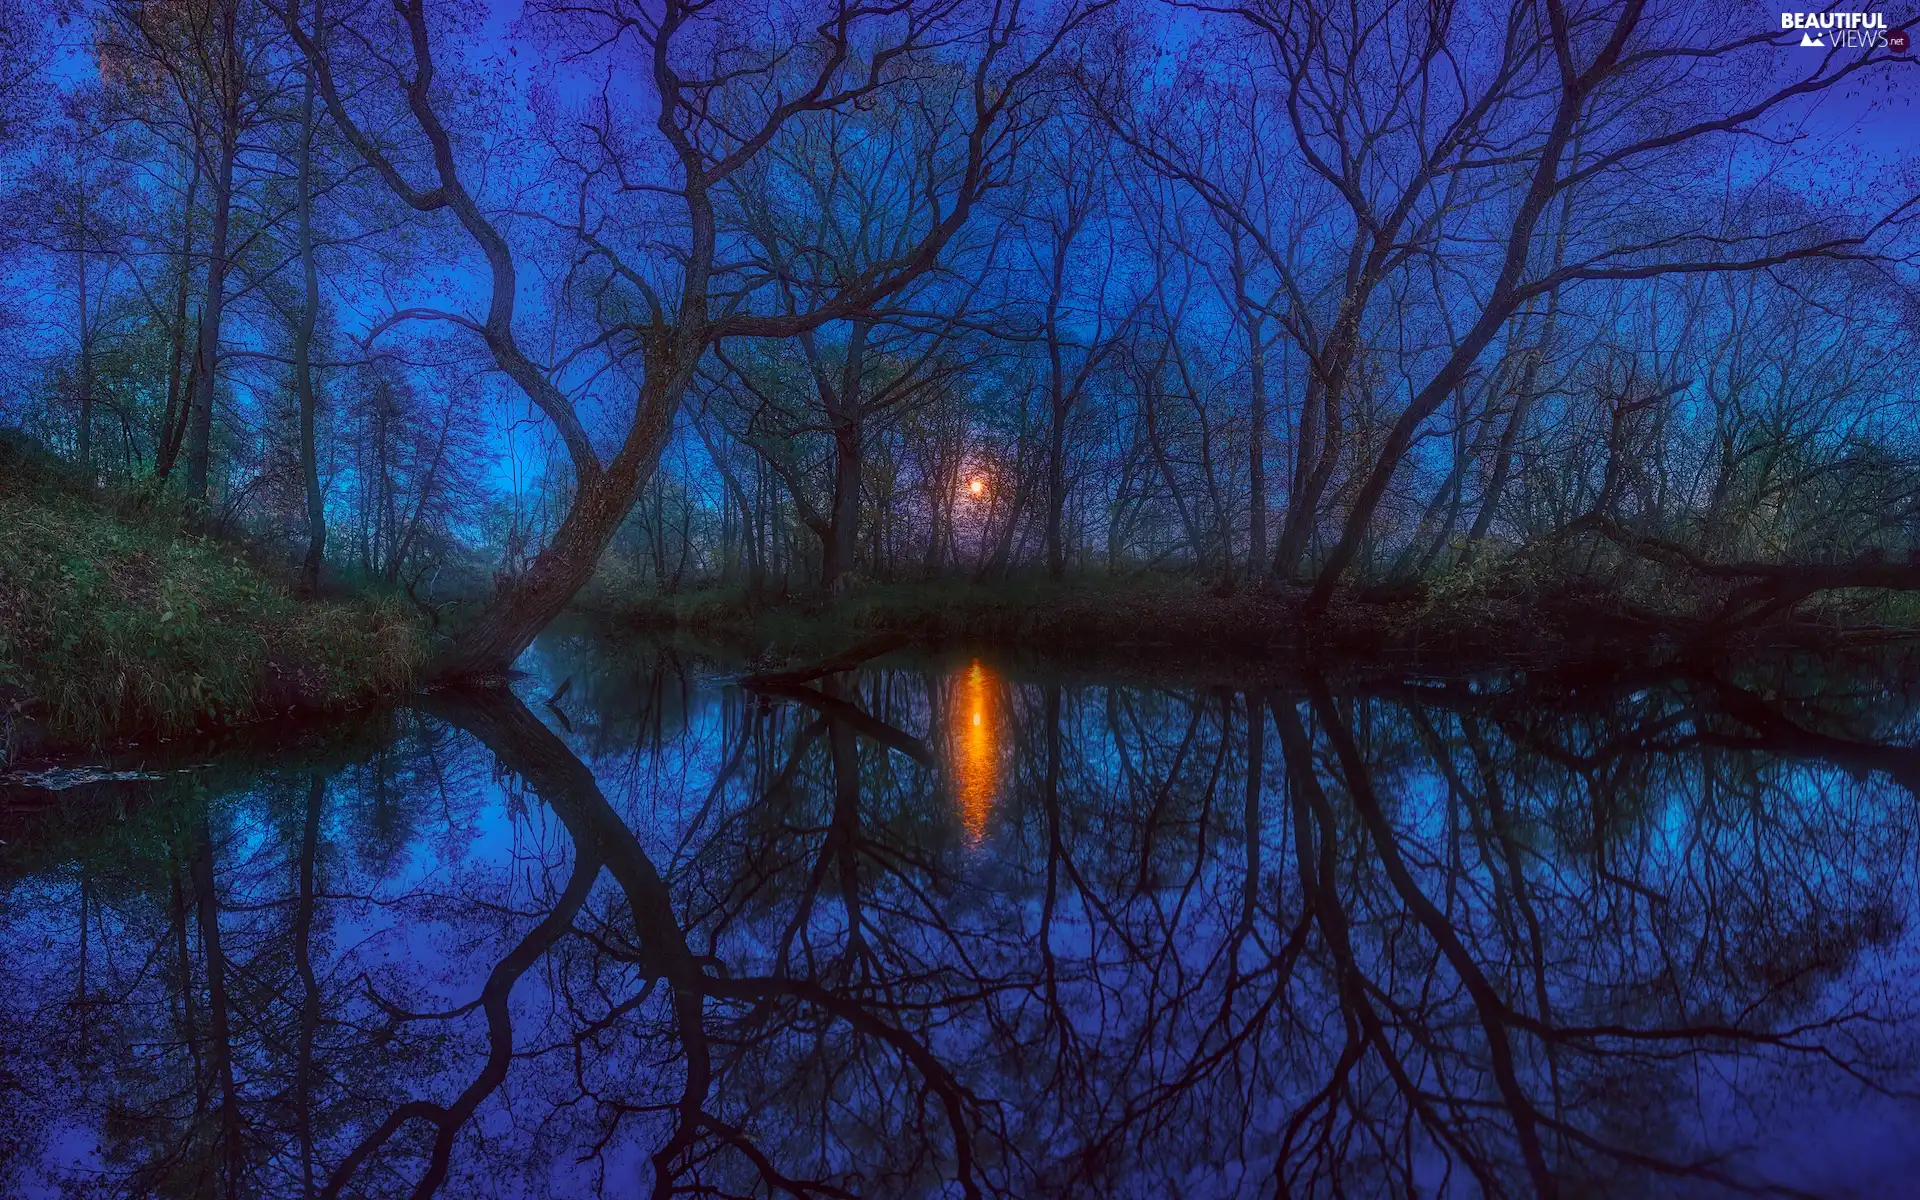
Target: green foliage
{"type": "Point", "coordinates": [115, 621]}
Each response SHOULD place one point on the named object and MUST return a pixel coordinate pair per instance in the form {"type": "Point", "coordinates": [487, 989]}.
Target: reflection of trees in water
{"type": "Point", "coordinates": [1404, 937]}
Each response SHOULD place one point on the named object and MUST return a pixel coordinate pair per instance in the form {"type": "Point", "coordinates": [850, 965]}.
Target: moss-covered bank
{"type": "Point", "coordinates": [118, 623]}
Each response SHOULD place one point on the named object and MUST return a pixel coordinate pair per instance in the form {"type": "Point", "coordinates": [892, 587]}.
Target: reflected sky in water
{"type": "Point", "coordinates": [970, 927]}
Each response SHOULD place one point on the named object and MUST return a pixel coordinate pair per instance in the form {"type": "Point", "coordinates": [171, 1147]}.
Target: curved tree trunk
{"type": "Point", "coordinates": [671, 342]}
{"type": "Point", "coordinates": [522, 605]}
{"type": "Point", "coordinates": [173, 425]}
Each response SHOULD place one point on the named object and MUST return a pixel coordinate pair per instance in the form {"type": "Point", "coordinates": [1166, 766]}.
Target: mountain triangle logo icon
{"type": "Point", "coordinates": [1807, 39]}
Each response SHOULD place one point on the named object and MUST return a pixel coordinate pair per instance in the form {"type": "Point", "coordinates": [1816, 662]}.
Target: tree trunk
{"type": "Point", "coordinates": [1502, 299]}
{"type": "Point", "coordinates": [1523, 397]}
{"type": "Point", "coordinates": [310, 983]}
{"type": "Point", "coordinates": [1056, 482]}
{"type": "Point", "coordinates": [219, 1030]}
{"type": "Point", "coordinates": [523, 605]}
{"type": "Point", "coordinates": [85, 447]}
{"type": "Point", "coordinates": [206, 353]}
{"type": "Point", "coordinates": [841, 543]}
{"type": "Point", "coordinates": [172, 423]}
{"type": "Point", "coordinates": [1256, 448]}
{"type": "Point", "coordinates": [749, 522]}
{"type": "Point", "coordinates": [303, 346]}
{"type": "Point", "coordinates": [1256, 787]}
{"type": "Point", "coordinates": [1060, 400]}
{"type": "Point", "coordinates": [1320, 443]}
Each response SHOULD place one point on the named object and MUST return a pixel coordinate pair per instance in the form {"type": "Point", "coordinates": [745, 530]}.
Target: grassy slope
{"type": "Point", "coordinates": [116, 623]}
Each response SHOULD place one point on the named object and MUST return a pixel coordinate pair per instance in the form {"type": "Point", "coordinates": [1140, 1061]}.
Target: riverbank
{"type": "Point", "coordinates": [118, 623]}
{"type": "Point", "coordinates": [1452, 621]}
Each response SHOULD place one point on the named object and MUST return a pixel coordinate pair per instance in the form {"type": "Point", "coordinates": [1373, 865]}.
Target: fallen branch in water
{"type": "Point", "coordinates": [846, 660]}
{"type": "Point", "coordinates": [835, 709]}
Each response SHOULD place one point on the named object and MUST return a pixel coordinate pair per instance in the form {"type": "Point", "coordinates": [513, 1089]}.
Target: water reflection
{"type": "Point", "coordinates": [975, 748]}
{"type": "Point", "coordinates": [1651, 936]}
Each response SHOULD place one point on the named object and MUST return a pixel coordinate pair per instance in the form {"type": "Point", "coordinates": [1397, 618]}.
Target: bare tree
{"type": "Point", "coordinates": [713, 120]}
{"type": "Point", "coordinates": [1407, 132]}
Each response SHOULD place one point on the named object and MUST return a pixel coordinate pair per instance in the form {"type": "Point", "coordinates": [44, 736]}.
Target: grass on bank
{"type": "Point", "coordinates": [117, 622]}
{"type": "Point", "coordinates": [1089, 616]}
{"type": "Point", "coordinates": [1505, 607]}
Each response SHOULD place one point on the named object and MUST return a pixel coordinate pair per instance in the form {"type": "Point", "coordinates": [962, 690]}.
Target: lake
{"type": "Point", "coordinates": [967, 925]}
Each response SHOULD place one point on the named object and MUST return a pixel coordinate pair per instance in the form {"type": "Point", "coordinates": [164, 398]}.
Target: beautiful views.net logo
{"type": "Point", "coordinates": [1854, 30]}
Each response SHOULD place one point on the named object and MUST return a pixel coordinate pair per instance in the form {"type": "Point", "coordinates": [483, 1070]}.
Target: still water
{"type": "Point", "coordinates": [957, 926]}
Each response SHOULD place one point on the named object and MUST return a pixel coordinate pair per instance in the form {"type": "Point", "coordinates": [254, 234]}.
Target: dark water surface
{"type": "Point", "coordinates": [956, 927]}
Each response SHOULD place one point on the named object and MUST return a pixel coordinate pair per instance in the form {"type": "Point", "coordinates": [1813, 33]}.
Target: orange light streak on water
{"type": "Point", "coordinates": [975, 749]}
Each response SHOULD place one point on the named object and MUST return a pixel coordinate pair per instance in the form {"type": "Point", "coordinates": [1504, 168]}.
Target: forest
{"type": "Point", "coordinates": [499, 310]}
{"type": "Point", "coordinates": [1033, 599]}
